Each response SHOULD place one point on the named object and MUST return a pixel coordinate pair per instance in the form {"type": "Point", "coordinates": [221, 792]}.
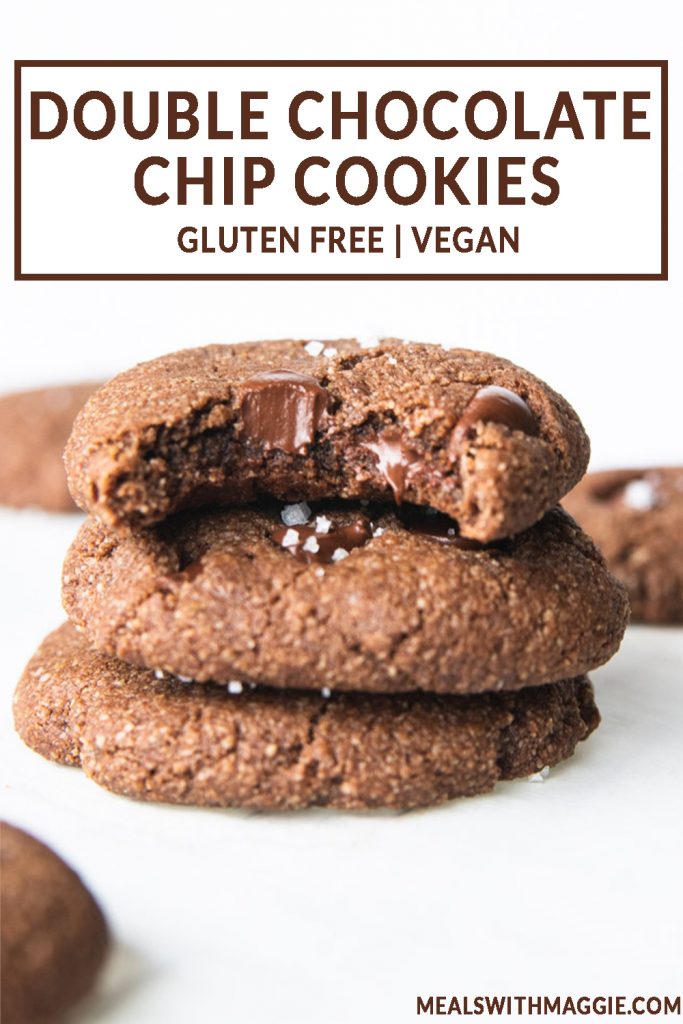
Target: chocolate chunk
{"type": "Point", "coordinates": [493, 405]}
{"type": "Point", "coordinates": [306, 544]}
{"type": "Point", "coordinates": [282, 409]}
{"type": "Point", "coordinates": [395, 460]}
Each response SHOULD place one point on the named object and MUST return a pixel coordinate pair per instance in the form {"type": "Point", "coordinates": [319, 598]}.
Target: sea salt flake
{"type": "Point", "coordinates": [184, 679]}
{"type": "Point", "coordinates": [339, 555]}
{"type": "Point", "coordinates": [290, 538]}
{"type": "Point", "coordinates": [159, 673]}
{"type": "Point", "coordinates": [377, 531]}
{"type": "Point", "coordinates": [235, 686]}
{"type": "Point", "coordinates": [640, 495]}
{"type": "Point", "coordinates": [322, 524]}
{"type": "Point", "coordinates": [392, 360]}
{"type": "Point", "coordinates": [320, 572]}
{"type": "Point", "coordinates": [312, 545]}
{"type": "Point", "coordinates": [326, 692]}
{"type": "Point", "coordinates": [539, 776]}
{"type": "Point", "coordinates": [330, 352]}
{"type": "Point", "coordinates": [314, 348]}
{"type": "Point", "coordinates": [369, 342]}
{"type": "Point", "coordinates": [295, 515]}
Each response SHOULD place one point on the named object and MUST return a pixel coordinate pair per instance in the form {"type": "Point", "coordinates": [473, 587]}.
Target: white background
{"type": "Point", "coordinates": [81, 214]}
{"type": "Point", "coordinates": [568, 886]}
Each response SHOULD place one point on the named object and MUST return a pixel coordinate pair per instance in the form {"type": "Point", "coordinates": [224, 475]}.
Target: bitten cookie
{"type": "Point", "coordinates": [54, 937]}
{"type": "Point", "coordinates": [163, 740]}
{"type": "Point", "coordinates": [353, 599]}
{"type": "Point", "coordinates": [466, 432]}
{"type": "Point", "coordinates": [34, 426]}
{"type": "Point", "coordinates": [636, 519]}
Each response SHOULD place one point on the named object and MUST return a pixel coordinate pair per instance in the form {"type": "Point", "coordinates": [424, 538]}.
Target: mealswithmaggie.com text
{"type": "Point", "coordinates": [582, 1006]}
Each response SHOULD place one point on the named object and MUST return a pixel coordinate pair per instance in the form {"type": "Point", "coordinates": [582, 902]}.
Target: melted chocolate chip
{"type": "Point", "coordinates": [308, 546]}
{"type": "Point", "coordinates": [437, 526]}
{"type": "Point", "coordinates": [493, 405]}
{"type": "Point", "coordinates": [394, 459]}
{"type": "Point", "coordinates": [282, 409]}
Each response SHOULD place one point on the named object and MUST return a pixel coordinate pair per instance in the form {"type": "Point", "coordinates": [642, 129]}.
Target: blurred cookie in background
{"type": "Point", "coordinates": [636, 518]}
{"type": "Point", "coordinates": [53, 936]}
{"type": "Point", "coordinates": [34, 426]}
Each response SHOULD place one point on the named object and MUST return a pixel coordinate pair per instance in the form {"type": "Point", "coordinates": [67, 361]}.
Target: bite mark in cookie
{"type": "Point", "coordinates": [231, 424]}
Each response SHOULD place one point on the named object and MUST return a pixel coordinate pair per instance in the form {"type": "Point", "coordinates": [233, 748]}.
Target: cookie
{"type": "Point", "coordinates": [357, 598]}
{"type": "Point", "coordinates": [465, 432]}
{"type": "Point", "coordinates": [35, 426]}
{"type": "Point", "coordinates": [636, 518]}
{"type": "Point", "coordinates": [54, 937]}
{"type": "Point", "coordinates": [162, 740]}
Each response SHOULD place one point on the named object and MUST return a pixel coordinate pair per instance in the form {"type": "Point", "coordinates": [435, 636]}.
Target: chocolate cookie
{"type": "Point", "coordinates": [162, 740]}
{"type": "Point", "coordinates": [636, 518]}
{"type": "Point", "coordinates": [35, 426]}
{"type": "Point", "coordinates": [465, 432]}
{"type": "Point", "coordinates": [355, 598]}
{"type": "Point", "coordinates": [54, 936]}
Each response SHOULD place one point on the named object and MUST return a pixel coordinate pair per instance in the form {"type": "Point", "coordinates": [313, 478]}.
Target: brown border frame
{"type": "Point", "coordinates": [663, 65]}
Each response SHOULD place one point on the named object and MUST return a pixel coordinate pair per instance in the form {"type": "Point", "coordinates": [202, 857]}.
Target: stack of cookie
{"type": "Point", "coordinates": [323, 574]}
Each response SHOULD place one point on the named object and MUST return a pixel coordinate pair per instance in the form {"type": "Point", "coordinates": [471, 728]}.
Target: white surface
{"type": "Point", "coordinates": [565, 886]}
{"type": "Point", "coordinates": [571, 885]}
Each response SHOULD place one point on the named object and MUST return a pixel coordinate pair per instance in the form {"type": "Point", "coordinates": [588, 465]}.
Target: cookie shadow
{"type": "Point", "coordinates": [124, 972]}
